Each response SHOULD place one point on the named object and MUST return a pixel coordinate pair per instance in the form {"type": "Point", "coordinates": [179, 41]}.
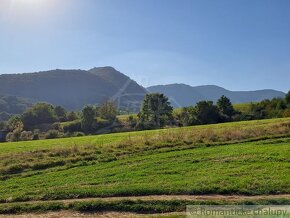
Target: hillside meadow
{"type": "Point", "coordinates": [246, 158]}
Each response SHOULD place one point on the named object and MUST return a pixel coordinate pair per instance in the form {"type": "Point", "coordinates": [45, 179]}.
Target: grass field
{"type": "Point", "coordinates": [241, 158]}
{"type": "Point", "coordinates": [243, 107]}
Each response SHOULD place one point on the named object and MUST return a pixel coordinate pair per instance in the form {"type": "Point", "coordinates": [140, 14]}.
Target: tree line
{"type": "Point", "coordinates": [44, 120]}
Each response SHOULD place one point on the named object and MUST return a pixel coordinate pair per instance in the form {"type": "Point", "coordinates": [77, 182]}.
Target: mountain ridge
{"type": "Point", "coordinates": [182, 95]}
{"type": "Point", "coordinates": [74, 88]}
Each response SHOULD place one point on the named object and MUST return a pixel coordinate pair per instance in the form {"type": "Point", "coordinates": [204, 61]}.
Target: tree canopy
{"type": "Point", "coordinates": [38, 114]}
{"type": "Point", "coordinates": [88, 118]}
{"type": "Point", "coordinates": [156, 111]}
{"type": "Point", "coordinates": [226, 108]}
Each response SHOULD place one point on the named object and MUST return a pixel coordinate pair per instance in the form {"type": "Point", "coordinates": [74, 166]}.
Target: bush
{"type": "Point", "coordinates": [35, 134]}
{"type": "Point", "coordinates": [52, 134]}
{"type": "Point", "coordinates": [108, 110]}
{"type": "Point", "coordinates": [77, 134]}
{"type": "Point", "coordinates": [74, 126]}
{"type": "Point", "coordinates": [132, 121]}
{"type": "Point", "coordinates": [26, 136]}
{"type": "Point", "coordinates": [74, 134]}
{"type": "Point", "coordinates": [286, 113]}
{"type": "Point", "coordinates": [10, 137]}
{"type": "Point", "coordinates": [57, 126]}
{"type": "Point", "coordinates": [72, 116]}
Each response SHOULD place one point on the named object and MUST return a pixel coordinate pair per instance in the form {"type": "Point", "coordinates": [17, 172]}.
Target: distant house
{"type": "Point", "coordinates": [3, 136]}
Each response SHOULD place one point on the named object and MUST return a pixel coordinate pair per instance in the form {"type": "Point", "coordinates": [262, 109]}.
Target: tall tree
{"type": "Point", "coordinates": [15, 126]}
{"type": "Point", "coordinates": [60, 113]}
{"type": "Point", "coordinates": [71, 116]}
{"type": "Point", "coordinates": [88, 118]}
{"type": "Point", "coordinates": [108, 110]}
{"type": "Point", "coordinates": [156, 110]}
{"type": "Point", "coordinates": [225, 107]}
{"type": "Point", "coordinates": [186, 116]}
{"type": "Point", "coordinates": [207, 112]}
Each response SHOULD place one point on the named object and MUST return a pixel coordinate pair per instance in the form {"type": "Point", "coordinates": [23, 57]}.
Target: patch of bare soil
{"type": "Point", "coordinates": [178, 197]}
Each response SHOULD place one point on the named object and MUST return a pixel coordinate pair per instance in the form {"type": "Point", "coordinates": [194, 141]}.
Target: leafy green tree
{"type": "Point", "coordinates": [287, 98]}
{"type": "Point", "coordinates": [207, 112]}
{"type": "Point", "coordinates": [71, 116]}
{"type": "Point", "coordinates": [280, 105]}
{"type": "Point", "coordinates": [14, 123]}
{"type": "Point", "coordinates": [15, 126]}
{"type": "Point", "coordinates": [88, 119]}
{"type": "Point", "coordinates": [60, 113]}
{"type": "Point", "coordinates": [132, 121]}
{"type": "Point", "coordinates": [226, 108]}
{"type": "Point", "coordinates": [108, 110]}
{"type": "Point", "coordinates": [156, 111]}
{"type": "Point", "coordinates": [38, 114]}
{"type": "Point", "coordinates": [186, 116]}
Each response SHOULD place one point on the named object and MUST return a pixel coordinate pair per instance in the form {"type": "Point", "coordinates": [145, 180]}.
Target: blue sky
{"type": "Point", "coordinates": [236, 44]}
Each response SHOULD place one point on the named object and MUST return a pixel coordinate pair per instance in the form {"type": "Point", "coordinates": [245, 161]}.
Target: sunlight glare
{"type": "Point", "coordinates": [28, 2]}
{"type": "Point", "coordinates": [28, 12]}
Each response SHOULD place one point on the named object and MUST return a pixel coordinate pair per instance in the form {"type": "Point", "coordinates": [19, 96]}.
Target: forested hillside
{"type": "Point", "coordinates": [73, 89]}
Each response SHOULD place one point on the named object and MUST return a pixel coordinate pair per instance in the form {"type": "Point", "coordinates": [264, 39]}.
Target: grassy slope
{"type": "Point", "coordinates": [109, 138]}
{"type": "Point", "coordinates": [248, 168]}
{"type": "Point", "coordinates": [248, 158]}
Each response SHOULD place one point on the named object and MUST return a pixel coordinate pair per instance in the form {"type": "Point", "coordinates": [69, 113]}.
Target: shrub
{"type": "Point", "coordinates": [74, 134]}
{"type": "Point", "coordinates": [108, 110]}
{"type": "Point", "coordinates": [74, 126]}
{"type": "Point", "coordinates": [57, 126]}
{"type": "Point", "coordinates": [72, 116]}
{"type": "Point", "coordinates": [286, 113]}
{"type": "Point", "coordinates": [35, 134]}
{"type": "Point", "coordinates": [132, 121]}
{"type": "Point", "coordinates": [26, 135]}
{"type": "Point", "coordinates": [10, 137]}
{"type": "Point", "coordinates": [52, 134]}
{"type": "Point", "coordinates": [78, 134]}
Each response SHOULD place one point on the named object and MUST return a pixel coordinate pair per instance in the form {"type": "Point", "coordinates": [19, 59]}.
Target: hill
{"type": "Point", "coordinates": [75, 88]}
{"type": "Point", "coordinates": [239, 162]}
{"type": "Point", "coordinates": [11, 105]}
{"type": "Point", "coordinates": [182, 95]}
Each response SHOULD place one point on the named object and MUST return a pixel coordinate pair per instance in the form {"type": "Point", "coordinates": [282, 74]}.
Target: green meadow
{"type": "Point", "coordinates": [240, 158]}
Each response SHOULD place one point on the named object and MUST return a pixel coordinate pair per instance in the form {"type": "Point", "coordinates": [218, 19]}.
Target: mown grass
{"type": "Point", "coordinates": [248, 158]}
{"type": "Point", "coordinates": [254, 168]}
{"type": "Point", "coordinates": [119, 146]}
